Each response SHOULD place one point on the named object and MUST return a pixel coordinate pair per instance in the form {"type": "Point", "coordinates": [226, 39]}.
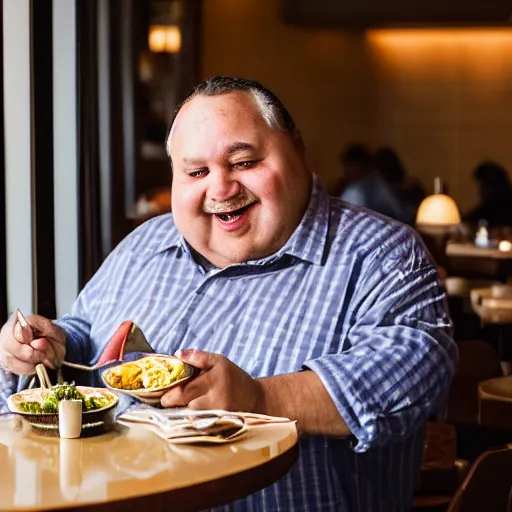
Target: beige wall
{"type": "Point", "coordinates": [323, 77]}
{"type": "Point", "coordinates": [442, 98]}
{"type": "Point", "coordinates": [445, 101]}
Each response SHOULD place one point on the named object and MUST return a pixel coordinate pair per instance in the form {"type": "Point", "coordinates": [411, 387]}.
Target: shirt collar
{"type": "Point", "coordinates": [309, 239]}
{"type": "Point", "coordinates": [307, 242]}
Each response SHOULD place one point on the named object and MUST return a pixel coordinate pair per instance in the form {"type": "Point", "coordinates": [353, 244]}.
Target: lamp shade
{"type": "Point", "coordinates": [438, 210]}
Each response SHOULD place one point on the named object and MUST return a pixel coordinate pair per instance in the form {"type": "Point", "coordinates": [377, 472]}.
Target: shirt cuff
{"type": "Point", "coordinates": [361, 422]}
{"type": "Point", "coordinates": [76, 346]}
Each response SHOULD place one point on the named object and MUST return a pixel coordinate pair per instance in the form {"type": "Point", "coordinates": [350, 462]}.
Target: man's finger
{"type": "Point", "coordinates": [200, 403]}
{"type": "Point", "coordinates": [22, 334]}
{"type": "Point", "coordinates": [48, 329]}
{"type": "Point", "coordinates": [198, 358]}
{"type": "Point", "coordinates": [180, 396]}
{"type": "Point", "coordinates": [53, 351]}
{"type": "Point", "coordinates": [17, 366]}
{"type": "Point", "coordinates": [174, 397]}
{"type": "Point", "coordinates": [23, 352]}
{"type": "Point", "coordinates": [43, 345]}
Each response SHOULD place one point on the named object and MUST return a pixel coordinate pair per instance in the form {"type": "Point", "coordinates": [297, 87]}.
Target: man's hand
{"type": "Point", "coordinates": [20, 352]}
{"type": "Point", "coordinates": [223, 385]}
{"type": "Point", "coordinates": [220, 385]}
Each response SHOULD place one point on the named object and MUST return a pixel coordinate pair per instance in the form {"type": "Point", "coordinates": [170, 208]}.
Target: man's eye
{"type": "Point", "coordinates": [246, 164]}
{"type": "Point", "coordinates": [197, 174]}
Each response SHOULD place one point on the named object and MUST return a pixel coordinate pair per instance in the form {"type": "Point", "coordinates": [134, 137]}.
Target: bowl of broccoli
{"type": "Point", "coordinates": [40, 406]}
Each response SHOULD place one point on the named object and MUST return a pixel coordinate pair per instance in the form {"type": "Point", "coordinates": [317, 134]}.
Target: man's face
{"type": "Point", "coordinates": [239, 188]}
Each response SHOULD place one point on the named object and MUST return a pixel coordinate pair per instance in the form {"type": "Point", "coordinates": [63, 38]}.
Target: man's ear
{"type": "Point", "coordinates": [299, 143]}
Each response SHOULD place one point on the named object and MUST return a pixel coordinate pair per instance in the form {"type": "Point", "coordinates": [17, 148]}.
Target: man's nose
{"type": "Point", "coordinates": [222, 186]}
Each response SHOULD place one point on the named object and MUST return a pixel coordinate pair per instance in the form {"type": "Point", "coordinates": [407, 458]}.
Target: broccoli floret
{"type": "Point", "coordinates": [32, 407]}
{"type": "Point", "coordinates": [67, 392]}
{"type": "Point", "coordinates": [96, 402]}
{"type": "Point", "coordinates": [50, 404]}
{"type": "Point", "coordinates": [90, 403]}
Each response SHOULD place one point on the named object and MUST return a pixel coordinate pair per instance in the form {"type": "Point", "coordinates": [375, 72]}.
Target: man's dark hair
{"type": "Point", "coordinates": [274, 112]}
{"type": "Point", "coordinates": [356, 153]}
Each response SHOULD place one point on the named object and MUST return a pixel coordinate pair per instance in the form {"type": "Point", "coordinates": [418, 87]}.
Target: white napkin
{"type": "Point", "coordinates": [185, 426]}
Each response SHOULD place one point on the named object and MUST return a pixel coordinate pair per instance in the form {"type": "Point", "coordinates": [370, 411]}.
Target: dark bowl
{"type": "Point", "coordinates": [50, 421]}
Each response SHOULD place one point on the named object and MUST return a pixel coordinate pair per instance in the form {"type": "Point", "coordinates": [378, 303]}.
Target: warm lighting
{"type": "Point", "coordinates": [438, 210]}
{"type": "Point", "coordinates": [505, 246]}
{"type": "Point", "coordinates": [417, 37]}
{"type": "Point", "coordinates": [467, 55]}
{"type": "Point", "coordinates": [164, 38]}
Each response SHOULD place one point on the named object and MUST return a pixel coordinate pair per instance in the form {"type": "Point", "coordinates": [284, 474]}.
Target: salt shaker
{"type": "Point", "coordinates": [70, 418]}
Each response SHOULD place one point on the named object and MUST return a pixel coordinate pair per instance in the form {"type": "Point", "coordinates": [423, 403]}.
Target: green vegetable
{"type": "Point", "coordinates": [50, 403]}
{"type": "Point", "coordinates": [33, 407]}
{"type": "Point", "coordinates": [96, 402]}
{"type": "Point", "coordinates": [67, 392]}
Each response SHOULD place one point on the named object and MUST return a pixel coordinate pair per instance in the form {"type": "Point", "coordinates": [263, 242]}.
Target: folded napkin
{"type": "Point", "coordinates": [186, 426]}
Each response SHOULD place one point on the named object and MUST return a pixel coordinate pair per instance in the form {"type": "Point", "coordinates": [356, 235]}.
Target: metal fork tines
{"type": "Point", "coordinates": [86, 368]}
{"type": "Point", "coordinates": [33, 331]}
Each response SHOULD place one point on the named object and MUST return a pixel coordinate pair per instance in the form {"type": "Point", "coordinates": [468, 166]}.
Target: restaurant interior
{"type": "Point", "coordinates": [88, 89]}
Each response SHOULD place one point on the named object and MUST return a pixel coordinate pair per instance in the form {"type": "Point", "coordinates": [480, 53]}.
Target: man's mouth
{"type": "Point", "coordinates": [234, 215]}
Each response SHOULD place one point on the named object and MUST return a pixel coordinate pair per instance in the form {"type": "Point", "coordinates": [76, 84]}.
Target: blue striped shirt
{"type": "Point", "coordinates": [352, 296]}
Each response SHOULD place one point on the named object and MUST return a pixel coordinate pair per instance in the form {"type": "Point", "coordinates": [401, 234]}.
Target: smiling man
{"type": "Point", "coordinates": [290, 302]}
{"type": "Point", "coordinates": [240, 186]}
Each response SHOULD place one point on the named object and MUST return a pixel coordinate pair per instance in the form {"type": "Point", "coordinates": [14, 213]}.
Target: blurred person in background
{"type": "Point", "coordinates": [408, 191]}
{"type": "Point", "coordinates": [355, 162]}
{"type": "Point", "coordinates": [495, 196]}
{"type": "Point", "coordinates": [364, 186]}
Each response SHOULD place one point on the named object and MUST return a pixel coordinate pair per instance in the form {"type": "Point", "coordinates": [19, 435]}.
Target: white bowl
{"type": "Point", "coordinates": [152, 396]}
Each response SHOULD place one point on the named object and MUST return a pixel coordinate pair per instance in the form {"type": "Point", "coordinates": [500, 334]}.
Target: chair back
{"type": "Point", "coordinates": [478, 361]}
{"type": "Point", "coordinates": [487, 485]}
{"type": "Point", "coordinates": [495, 403]}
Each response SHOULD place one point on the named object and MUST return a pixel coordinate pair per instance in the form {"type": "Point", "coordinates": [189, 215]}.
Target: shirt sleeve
{"type": "Point", "coordinates": [7, 388]}
{"type": "Point", "coordinates": [77, 324]}
{"type": "Point", "coordinates": [399, 357]}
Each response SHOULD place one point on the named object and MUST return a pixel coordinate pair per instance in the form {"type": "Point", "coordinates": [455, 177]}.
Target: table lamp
{"type": "Point", "coordinates": [436, 219]}
{"type": "Point", "coordinates": [438, 210]}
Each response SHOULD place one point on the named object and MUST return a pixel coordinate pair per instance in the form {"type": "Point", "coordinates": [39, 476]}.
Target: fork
{"type": "Point", "coordinates": [36, 333]}
{"type": "Point", "coordinates": [86, 368]}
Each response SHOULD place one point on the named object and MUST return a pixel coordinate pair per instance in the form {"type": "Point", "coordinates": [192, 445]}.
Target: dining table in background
{"type": "Point", "coordinates": [469, 260]}
{"type": "Point", "coordinates": [131, 468]}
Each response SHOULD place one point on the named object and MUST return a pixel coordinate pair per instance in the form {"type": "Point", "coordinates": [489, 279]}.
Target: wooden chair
{"type": "Point", "coordinates": [441, 472]}
{"type": "Point", "coordinates": [487, 486]}
{"type": "Point", "coordinates": [495, 403]}
{"type": "Point", "coordinates": [478, 361]}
